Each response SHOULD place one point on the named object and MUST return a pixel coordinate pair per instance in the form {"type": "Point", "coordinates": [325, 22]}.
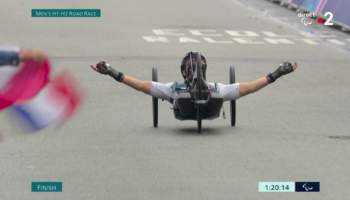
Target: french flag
{"type": "Point", "coordinates": [23, 82]}
{"type": "Point", "coordinates": [53, 105]}
{"type": "Point", "coordinates": [36, 100]}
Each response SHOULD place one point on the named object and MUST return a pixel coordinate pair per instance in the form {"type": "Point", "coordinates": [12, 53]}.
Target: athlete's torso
{"type": "Point", "coordinates": [183, 89]}
{"type": "Point", "coordinates": [166, 91]}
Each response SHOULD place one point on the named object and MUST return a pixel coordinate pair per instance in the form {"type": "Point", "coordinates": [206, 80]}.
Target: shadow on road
{"type": "Point", "coordinates": [206, 131]}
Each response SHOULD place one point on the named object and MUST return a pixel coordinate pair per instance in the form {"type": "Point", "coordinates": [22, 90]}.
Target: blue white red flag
{"type": "Point", "coordinates": [54, 104]}
{"type": "Point", "coordinates": [23, 82]}
{"type": "Point", "coordinates": [37, 100]}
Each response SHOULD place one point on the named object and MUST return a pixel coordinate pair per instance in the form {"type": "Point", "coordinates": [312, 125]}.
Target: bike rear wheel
{"type": "Point", "coordinates": [233, 102]}
{"type": "Point", "coordinates": [155, 100]}
{"type": "Point", "coordinates": [200, 91]}
{"type": "Point", "coordinates": [199, 119]}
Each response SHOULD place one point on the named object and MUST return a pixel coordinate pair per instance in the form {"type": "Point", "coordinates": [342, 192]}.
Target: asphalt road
{"type": "Point", "coordinates": [293, 130]}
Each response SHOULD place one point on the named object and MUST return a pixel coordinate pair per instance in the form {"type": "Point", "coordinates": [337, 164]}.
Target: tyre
{"type": "Point", "coordinates": [233, 102]}
{"type": "Point", "coordinates": [155, 100]}
{"type": "Point", "coordinates": [199, 119]}
{"type": "Point", "coordinates": [200, 91]}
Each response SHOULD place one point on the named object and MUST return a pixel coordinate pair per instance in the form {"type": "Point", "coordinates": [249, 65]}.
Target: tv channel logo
{"type": "Point", "coordinates": [305, 18]}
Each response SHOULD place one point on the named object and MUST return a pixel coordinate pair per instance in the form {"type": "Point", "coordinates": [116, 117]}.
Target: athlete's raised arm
{"type": "Point", "coordinates": [155, 89]}
{"type": "Point", "coordinates": [238, 90]}
{"type": "Point", "coordinates": [104, 68]}
{"type": "Point", "coordinates": [284, 68]}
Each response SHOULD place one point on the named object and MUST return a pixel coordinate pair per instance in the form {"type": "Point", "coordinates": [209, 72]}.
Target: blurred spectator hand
{"type": "Point", "coordinates": [35, 55]}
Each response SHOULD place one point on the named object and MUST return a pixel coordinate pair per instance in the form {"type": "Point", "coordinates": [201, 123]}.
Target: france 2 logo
{"type": "Point", "coordinates": [328, 22]}
{"type": "Point", "coordinates": [319, 20]}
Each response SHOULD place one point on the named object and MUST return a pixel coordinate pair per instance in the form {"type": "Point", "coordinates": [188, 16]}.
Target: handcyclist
{"type": "Point", "coordinates": [165, 91]}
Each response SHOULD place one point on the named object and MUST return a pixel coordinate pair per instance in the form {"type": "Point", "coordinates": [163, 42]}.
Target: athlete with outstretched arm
{"type": "Point", "coordinates": [165, 91]}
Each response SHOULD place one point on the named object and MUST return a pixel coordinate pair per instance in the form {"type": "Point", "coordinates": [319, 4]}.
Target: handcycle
{"type": "Point", "coordinates": [196, 100]}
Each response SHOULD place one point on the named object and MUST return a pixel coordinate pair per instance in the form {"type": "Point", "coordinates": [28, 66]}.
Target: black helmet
{"type": "Point", "coordinates": [193, 55]}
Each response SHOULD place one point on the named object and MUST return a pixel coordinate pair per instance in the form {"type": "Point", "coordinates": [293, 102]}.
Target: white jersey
{"type": "Point", "coordinates": [165, 91]}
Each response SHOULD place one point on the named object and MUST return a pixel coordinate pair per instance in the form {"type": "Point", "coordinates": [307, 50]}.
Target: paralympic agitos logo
{"type": "Point", "coordinates": [305, 16]}
{"type": "Point", "coordinates": [307, 188]}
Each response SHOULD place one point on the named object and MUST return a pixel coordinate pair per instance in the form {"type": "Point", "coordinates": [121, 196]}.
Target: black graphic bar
{"type": "Point", "coordinates": [307, 186]}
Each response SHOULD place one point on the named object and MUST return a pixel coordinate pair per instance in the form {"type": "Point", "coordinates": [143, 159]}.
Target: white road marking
{"type": "Point", "coordinates": [337, 42]}
{"type": "Point", "coordinates": [186, 40]}
{"type": "Point", "coordinates": [322, 34]}
{"type": "Point", "coordinates": [247, 41]}
{"type": "Point", "coordinates": [210, 40]}
{"type": "Point", "coordinates": [166, 32]}
{"type": "Point", "coordinates": [243, 37]}
{"type": "Point", "coordinates": [242, 33]}
{"type": "Point", "coordinates": [307, 34]}
{"type": "Point", "coordinates": [271, 34]}
{"type": "Point", "coordinates": [309, 41]}
{"type": "Point", "coordinates": [202, 32]}
{"type": "Point", "coordinates": [278, 41]}
{"type": "Point", "coordinates": [155, 39]}
{"type": "Point", "coordinates": [325, 34]}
